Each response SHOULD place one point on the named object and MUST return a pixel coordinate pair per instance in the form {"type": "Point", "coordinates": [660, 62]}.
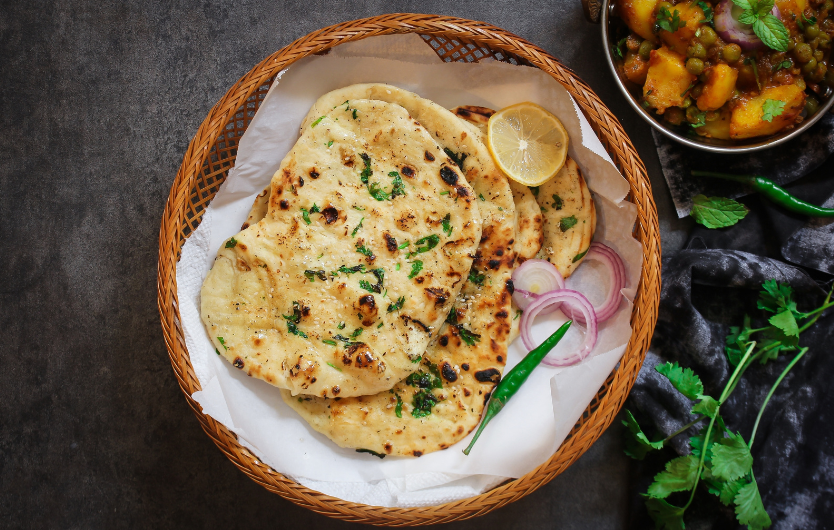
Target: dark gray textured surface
{"type": "Point", "coordinates": [99, 101]}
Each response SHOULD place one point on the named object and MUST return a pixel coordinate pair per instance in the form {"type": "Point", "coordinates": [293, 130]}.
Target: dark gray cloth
{"type": "Point", "coordinates": [782, 164]}
{"type": "Point", "coordinates": [705, 291]}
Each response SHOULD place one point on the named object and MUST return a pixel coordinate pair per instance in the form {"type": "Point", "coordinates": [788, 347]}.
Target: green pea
{"type": "Point", "coordinates": [697, 50]}
{"type": "Point", "coordinates": [824, 40]}
{"type": "Point", "coordinates": [828, 6]}
{"type": "Point", "coordinates": [791, 45]}
{"type": "Point", "coordinates": [697, 91]}
{"type": "Point", "coordinates": [800, 82]}
{"type": "Point", "coordinates": [712, 115]}
{"type": "Point", "coordinates": [811, 105]}
{"type": "Point", "coordinates": [809, 67]}
{"type": "Point", "coordinates": [687, 104]}
{"type": "Point", "coordinates": [694, 66]}
{"type": "Point", "coordinates": [692, 114]}
{"type": "Point", "coordinates": [731, 52]}
{"type": "Point", "coordinates": [818, 55]}
{"type": "Point", "coordinates": [708, 36]}
{"type": "Point", "coordinates": [645, 49]}
{"type": "Point", "coordinates": [819, 73]}
{"type": "Point", "coordinates": [803, 53]}
{"type": "Point", "coordinates": [674, 115]}
{"type": "Point", "coordinates": [812, 31]}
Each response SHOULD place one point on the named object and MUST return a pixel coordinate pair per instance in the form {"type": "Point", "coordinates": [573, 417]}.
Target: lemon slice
{"type": "Point", "coordinates": [528, 143]}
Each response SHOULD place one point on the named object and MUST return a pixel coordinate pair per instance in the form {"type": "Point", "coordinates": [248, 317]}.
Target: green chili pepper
{"type": "Point", "coordinates": [773, 192]}
{"type": "Point", "coordinates": [508, 386]}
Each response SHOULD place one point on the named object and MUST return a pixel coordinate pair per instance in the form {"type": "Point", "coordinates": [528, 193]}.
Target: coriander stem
{"type": "Point", "coordinates": [682, 429]}
{"type": "Point", "coordinates": [712, 422]}
{"type": "Point", "coordinates": [772, 390]}
{"type": "Point", "coordinates": [743, 364]}
{"type": "Point", "coordinates": [818, 311]}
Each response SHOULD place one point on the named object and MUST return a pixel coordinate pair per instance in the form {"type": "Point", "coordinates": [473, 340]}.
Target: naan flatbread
{"type": "Point", "coordinates": [529, 221]}
{"type": "Point", "coordinates": [468, 358]}
{"type": "Point", "coordinates": [357, 262]}
{"type": "Point", "coordinates": [569, 218]}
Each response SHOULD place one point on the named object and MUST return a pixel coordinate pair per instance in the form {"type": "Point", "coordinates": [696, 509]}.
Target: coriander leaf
{"type": "Point", "coordinates": [378, 192]}
{"type": "Point", "coordinates": [670, 22]}
{"type": "Point", "coordinates": [738, 341]}
{"type": "Point", "coordinates": [447, 225]}
{"type": "Point", "coordinates": [696, 443]}
{"type": "Point", "coordinates": [701, 119]}
{"type": "Point", "coordinates": [749, 507]}
{"type": "Point", "coordinates": [683, 379]}
{"type": "Point", "coordinates": [772, 108]}
{"type": "Point", "coordinates": [729, 490]}
{"type": "Point", "coordinates": [777, 296]}
{"type": "Point", "coordinates": [717, 212]}
{"type": "Point", "coordinates": [416, 267]}
{"type": "Point", "coordinates": [367, 172]}
{"type": "Point", "coordinates": [772, 32]}
{"type": "Point", "coordinates": [557, 202]}
{"type": "Point", "coordinates": [707, 406]}
{"type": "Point", "coordinates": [305, 215]}
{"type": "Point", "coordinates": [476, 278]}
{"type": "Point", "coordinates": [637, 444]}
{"type": "Point", "coordinates": [222, 342]}
{"type": "Point", "coordinates": [580, 255]}
{"type": "Point", "coordinates": [566, 223]}
{"type": "Point", "coordinates": [231, 243]}
{"type": "Point", "coordinates": [353, 233]}
{"type": "Point", "coordinates": [398, 408]}
{"type": "Point", "coordinates": [774, 342]}
{"type": "Point", "coordinates": [331, 365]}
{"type": "Point", "coordinates": [617, 49]}
{"type": "Point", "coordinates": [467, 336]}
{"type": "Point", "coordinates": [378, 455]}
{"type": "Point", "coordinates": [365, 251]}
{"type": "Point", "coordinates": [707, 9]}
{"type": "Point", "coordinates": [430, 241]}
{"type": "Point", "coordinates": [665, 515]}
{"type": "Point", "coordinates": [316, 122]}
{"type": "Point", "coordinates": [396, 306]}
{"type": "Point", "coordinates": [680, 475]}
{"type": "Point", "coordinates": [786, 322]}
{"type": "Point", "coordinates": [456, 158]}
{"type": "Point", "coordinates": [731, 458]}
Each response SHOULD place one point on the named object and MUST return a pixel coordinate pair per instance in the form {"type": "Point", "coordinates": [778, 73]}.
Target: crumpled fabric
{"type": "Point", "coordinates": [705, 290]}
{"type": "Point", "coordinates": [782, 164]}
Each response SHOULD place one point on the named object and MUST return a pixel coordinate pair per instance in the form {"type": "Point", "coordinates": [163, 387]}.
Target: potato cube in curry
{"type": "Point", "coordinates": [749, 115]}
{"type": "Point", "coordinates": [721, 82]}
{"type": "Point", "coordinates": [718, 128]}
{"type": "Point", "coordinates": [639, 16]}
{"type": "Point", "coordinates": [690, 18]}
{"type": "Point", "coordinates": [667, 80]}
{"type": "Point", "coordinates": [635, 68]}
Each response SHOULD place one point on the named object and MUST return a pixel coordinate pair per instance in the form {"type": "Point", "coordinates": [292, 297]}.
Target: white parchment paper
{"type": "Point", "coordinates": [538, 418]}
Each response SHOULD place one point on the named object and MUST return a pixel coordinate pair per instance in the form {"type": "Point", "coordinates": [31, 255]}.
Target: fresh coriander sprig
{"type": "Point", "coordinates": [720, 458]}
{"type": "Point", "coordinates": [766, 26]}
{"type": "Point", "coordinates": [670, 22]}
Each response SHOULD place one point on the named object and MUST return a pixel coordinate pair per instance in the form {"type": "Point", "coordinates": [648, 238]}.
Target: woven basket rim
{"type": "Point", "coordinates": [644, 314]}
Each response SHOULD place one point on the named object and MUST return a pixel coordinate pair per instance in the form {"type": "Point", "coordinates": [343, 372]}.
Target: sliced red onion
{"type": "Point", "coordinates": [579, 304]}
{"type": "Point", "coordinates": [532, 278]}
{"type": "Point", "coordinates": [617, 274]}
{"type": "Point", "coordinates": [731, 30]}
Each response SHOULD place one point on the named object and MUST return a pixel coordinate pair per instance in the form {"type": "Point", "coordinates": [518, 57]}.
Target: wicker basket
{"type": "Point", "coordinates": [212, 152]}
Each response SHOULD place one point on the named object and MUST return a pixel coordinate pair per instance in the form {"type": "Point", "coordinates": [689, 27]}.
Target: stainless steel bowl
{"type": "Point", "coordinates": [603, 12]}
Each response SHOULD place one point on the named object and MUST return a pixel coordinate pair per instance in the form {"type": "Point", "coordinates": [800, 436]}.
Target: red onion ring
{"type": "Point", "coordinates": [534, 277]}
{"type": "Point", "coordinates": [616, 271]}
{"type": "Point", "coordinates": [578, 303]}
{"type": "Point", "coordinates": [731, 30]}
